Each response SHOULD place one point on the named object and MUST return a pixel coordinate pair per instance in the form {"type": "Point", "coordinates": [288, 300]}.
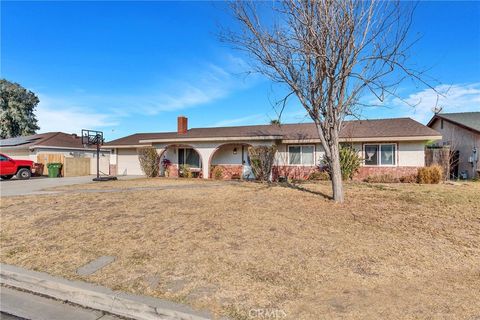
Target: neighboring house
{"type": "Point", "coordinates": [460, 131]}
{"type": "Point", "coordinates": [53, 147]}
{"type": "Point", "coordinates": [394, 146]}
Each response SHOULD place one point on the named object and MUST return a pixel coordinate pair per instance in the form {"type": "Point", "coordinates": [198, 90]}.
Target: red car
{"type": "Point", "coordinates": [10, 167]}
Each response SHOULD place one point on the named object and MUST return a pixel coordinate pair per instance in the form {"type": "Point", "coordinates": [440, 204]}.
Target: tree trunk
{"type": "Point", "coordinates": [336, 172]}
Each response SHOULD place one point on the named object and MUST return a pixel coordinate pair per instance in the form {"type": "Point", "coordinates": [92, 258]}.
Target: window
{"type": "Point", "coordinates": [441, 123]}
{"type": "Point", "coordinates": [3, 158]}
{"type": "Point", "coordinates": [380, 154]}
{"type": "Point", "coordinates": [189, 157]}
{"type": "Point", "coordinates": [371, 154]}
{"type": "Point", "coordinates": [301, 155]}
{"type": "Point", "coordinates": [387, 154]}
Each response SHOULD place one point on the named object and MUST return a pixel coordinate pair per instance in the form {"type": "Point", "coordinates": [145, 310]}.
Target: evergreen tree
{"type": "Point", "coordinates": [17, 106]}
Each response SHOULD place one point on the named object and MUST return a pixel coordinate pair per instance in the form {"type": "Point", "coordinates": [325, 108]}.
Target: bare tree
{"type": "Point", "coordinates": [328, 53]}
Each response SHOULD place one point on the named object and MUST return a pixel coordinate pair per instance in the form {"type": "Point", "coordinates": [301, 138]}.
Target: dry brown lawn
{"type": "Point", "coordinates": [390, 252]}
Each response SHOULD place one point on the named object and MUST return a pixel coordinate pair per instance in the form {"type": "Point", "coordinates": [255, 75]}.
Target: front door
{"type": "Point", "coordinates": [247, 171]}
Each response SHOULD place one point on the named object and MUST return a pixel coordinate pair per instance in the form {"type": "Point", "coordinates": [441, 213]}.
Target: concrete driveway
{"type": "Point", "coordinates": [36, 185]}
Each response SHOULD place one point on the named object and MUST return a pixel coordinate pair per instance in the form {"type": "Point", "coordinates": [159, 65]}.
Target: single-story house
{"type": "Point", "coordinates": [394, 146]}
{"type": "Point", "coordinates": [460, 131]}
{"type": "Point", "coordinates": [53, 147]}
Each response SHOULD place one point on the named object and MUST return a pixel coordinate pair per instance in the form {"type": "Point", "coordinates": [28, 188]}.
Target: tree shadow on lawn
{"type": "Point", "coordinates": [303, 189]}
{"type": "Point", "coordinates": [268, 185]}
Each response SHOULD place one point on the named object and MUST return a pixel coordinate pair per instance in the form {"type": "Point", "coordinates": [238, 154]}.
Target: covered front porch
{"type": "Point", "coordinates": [206, 160]}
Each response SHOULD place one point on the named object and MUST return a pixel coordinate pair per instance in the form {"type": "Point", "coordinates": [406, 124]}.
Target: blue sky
{"type": "Point", "coordinates": [126, 67]}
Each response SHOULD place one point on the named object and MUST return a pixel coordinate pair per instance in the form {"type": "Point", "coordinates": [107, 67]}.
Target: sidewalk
{"type": "Point", "coordinates": [51, 294]}
{"type": "Point", "coordinates": [22, 305]}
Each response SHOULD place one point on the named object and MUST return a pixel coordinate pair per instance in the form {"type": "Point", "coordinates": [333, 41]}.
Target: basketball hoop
{"type": "Point", "coordinates": [90, 138]}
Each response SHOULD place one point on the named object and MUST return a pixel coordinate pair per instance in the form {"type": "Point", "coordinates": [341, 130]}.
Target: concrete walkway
{"type": "Point", "coordinates": [15, 304]}
{"type": "Point", "coordinates": [36, 185]}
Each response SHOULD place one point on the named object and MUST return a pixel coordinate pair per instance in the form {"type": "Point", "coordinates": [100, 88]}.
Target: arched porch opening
{"type": "Point", "coordinates": [230, 161]}
{"type": "Point", "coordinates": [177, 159]}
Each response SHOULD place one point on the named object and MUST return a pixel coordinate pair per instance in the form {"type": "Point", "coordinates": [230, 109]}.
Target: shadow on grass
{"type": "Point", "coordinates": [303, 189]}
{"type": "Point", "coordinates": [267, 185]}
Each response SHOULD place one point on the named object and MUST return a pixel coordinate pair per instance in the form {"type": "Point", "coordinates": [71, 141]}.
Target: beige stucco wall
{"type": "Point", "coordinates": [411, 154]}
{"type": "Point", "coordinates": [225, 155]}
{"type": "Point", "coordinates": [460, 139]}
{"type": "Point", "coordinates": [211, 153]}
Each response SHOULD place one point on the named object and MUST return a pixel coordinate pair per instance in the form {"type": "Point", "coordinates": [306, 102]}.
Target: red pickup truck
{"type": "Point", "coordinates": [10, 167]}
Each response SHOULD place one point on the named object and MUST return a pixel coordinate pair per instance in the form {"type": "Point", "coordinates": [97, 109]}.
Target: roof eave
{"type": "Point", "coordinates": [67, 148]}
{"type": "Point", "coordinates": [126, 146]}
{"type": "Point", "coordinates": [206, 139]}
{"type": "Point", "coordinates": [369, 139]}
{"type": "Point", "coordinates": [434, 118]}
{"type": "Point", "coordinates": [16, 147]}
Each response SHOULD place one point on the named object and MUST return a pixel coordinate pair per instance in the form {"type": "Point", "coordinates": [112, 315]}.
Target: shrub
{"type": "Point", "coordinates": [149, 161]}
{"type": "Point", "coordinates": [261, 160]}
{"type": "Point", "coordinates": [217, 173]}
{"type": "Point", "coordinates": [381, 178]}
{"type": "Point", "coordinates": [350, 162]}
{"type": "Point", "coordinates": [166, 164]}
{"type": "Point", "coordinates": [185, 171]}
{"type": "Point", "coordinates": [319, 175]}
{"type": "Point", "coordinates": [430, 175]}
{"type": "Point", "coordinates": [235, 176]}
{"type": "Point", "coordinates": [411, 178]}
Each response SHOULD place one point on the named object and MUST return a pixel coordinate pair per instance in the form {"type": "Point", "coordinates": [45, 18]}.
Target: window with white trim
{"type": "Point", "coordinates": [301, 155]}
{"type": "Point", "coordinates": [383, 154]}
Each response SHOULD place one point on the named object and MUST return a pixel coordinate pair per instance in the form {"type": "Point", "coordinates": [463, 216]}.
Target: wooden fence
{"type": "Point", "coordinates": [74, 167]}
{"type": "Point", "coordinates": [71, 166]}
{"type": "Point", "coordinates": [439, 156]}
{"type": "Point", "coordinates": [45, 158]}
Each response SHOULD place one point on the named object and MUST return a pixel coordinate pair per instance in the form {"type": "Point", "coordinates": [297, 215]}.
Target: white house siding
{"type": "Point", "coordinates": [127, 162]}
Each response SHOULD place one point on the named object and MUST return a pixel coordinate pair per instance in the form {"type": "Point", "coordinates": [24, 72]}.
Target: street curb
{"type": "Point", "coordinates": [97, 297]}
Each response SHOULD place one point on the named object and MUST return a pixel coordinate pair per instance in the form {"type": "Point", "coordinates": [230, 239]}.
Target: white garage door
{"type": "Point", "coordinates": [104, 164]}
{"type": "Point", "coordinates": [127, 162]}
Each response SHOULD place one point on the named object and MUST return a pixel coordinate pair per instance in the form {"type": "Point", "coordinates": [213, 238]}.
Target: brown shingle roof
{"type": "Point", "coordinates": [381, 128]}
{"type": "Point", "coordinates": [48, 139]}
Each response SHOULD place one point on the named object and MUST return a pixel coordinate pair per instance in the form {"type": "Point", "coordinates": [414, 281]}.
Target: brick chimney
{"type": "Point", "coordinates": [182, 124]}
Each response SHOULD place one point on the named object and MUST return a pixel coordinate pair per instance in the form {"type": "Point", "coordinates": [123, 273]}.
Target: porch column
{"type": "Point", "coordinates": [206, 153]}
